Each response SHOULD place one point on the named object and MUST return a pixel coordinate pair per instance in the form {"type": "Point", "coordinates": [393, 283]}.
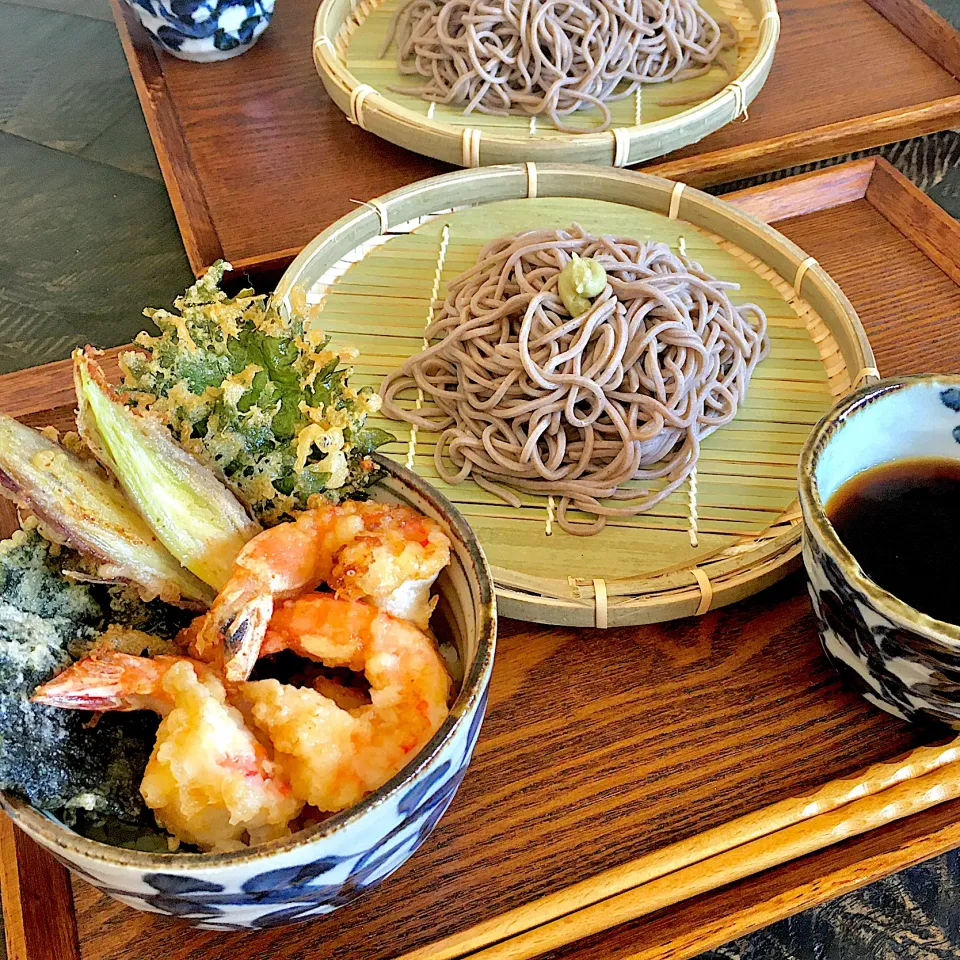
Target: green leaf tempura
{"type": "Point", "coordinates": [254, 393]}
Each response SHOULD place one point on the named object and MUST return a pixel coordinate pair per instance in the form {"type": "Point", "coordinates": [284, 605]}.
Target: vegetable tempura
{"type": "Point", "coordinates": [253, 392]}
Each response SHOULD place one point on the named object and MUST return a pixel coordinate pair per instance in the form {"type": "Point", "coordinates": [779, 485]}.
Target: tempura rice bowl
{"type": "Point", "coordinates": [334, 862]}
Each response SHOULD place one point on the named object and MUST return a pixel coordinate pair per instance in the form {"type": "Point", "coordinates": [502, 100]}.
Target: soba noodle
{"type": "Point", "coordinates": [527, 398]}
{"type": "Point", "coordinates": [552, 57]}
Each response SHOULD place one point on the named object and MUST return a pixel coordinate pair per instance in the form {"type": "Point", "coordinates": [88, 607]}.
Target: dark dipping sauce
{"type": "Point", "coordinates": [901, 521]}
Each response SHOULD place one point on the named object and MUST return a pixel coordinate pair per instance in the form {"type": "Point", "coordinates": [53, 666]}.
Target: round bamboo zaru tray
{"type": "Point", "coordinates": [379, 273]}
{"type": "Point", "coordinates": [348, 35]}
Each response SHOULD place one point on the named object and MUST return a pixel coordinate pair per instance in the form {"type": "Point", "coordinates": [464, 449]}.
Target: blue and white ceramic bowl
{"type": "Point", "coordinates": [900, 659]}
{"type": "Point", "coordinates": [204, 30]}
{"type": "Point", "coordinates": [326, 866]}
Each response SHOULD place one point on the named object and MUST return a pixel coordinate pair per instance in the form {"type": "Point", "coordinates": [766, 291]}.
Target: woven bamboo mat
{"type": "Point", "coordinates": [745, 481]}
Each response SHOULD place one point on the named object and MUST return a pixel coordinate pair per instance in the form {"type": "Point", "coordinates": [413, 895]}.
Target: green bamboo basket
{"type": "Point", "coordinates": [348, 35]}
{"type": "Point", "coordinates": [379, 274]}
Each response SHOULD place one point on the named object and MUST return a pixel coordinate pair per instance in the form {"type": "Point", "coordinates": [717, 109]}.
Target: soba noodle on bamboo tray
{"type": "Point", "coordinates": [553, 58]}
{"type": "Point", "coordinates": [568, 364]}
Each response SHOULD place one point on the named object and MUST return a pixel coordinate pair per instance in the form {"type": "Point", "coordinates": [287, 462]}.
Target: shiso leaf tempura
{"type": "Point", "coordinates": [80, 507]}
{"type": "Point", "coordinates": [192, 513]}
{"type": "Point", "coordinates": [253, 392]}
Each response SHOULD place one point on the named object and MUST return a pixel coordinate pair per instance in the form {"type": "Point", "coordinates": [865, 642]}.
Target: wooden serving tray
{"type": "Point", "coordinates": [258, 159]}
{"type": "Point", "coordinates": [607, 749]}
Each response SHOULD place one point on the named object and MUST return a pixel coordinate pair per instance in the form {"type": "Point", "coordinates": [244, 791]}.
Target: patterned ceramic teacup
{"type": "Point", "coordinates": [328, 865]}
{"type": "Point", "coordinates": [900, 659]}
{"type": "Point", "coordinates": [204, 30]}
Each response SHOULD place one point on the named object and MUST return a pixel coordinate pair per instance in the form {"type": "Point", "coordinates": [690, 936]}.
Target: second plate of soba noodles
{"type": "Point", "coordinates": [490, 81]}
{"type": "Point", "coordinates": [614, 395]}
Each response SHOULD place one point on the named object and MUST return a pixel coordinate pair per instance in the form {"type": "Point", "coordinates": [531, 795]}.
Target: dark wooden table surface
{"type": "Point", "coordinates": [88, 239]}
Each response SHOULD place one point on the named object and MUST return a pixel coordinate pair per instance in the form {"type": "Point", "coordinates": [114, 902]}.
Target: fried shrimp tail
{"type": "Point", "coordinates": [114, 681]}
{"type": "Point", "coordinates": [386, 554]}
{"type": "Point", "coordinates": [209, 781]}
{"type": "Point", "coordinates": [337, 749]}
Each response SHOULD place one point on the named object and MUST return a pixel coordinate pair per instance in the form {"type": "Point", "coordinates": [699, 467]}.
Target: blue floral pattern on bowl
{"type": "Point", "coordinates": [204, 30]}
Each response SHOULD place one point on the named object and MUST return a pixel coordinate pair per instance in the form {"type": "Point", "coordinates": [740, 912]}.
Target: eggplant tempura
{"type": "Point", "coordinates": [79, 506]}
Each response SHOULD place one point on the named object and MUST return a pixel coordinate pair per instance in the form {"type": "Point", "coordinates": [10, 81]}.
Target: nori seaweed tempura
{"type": "Point", "coordinates": [54, 758]}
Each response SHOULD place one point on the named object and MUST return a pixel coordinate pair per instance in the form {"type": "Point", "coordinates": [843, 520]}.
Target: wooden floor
{"type": "Point", "coordinates": [88, 239]}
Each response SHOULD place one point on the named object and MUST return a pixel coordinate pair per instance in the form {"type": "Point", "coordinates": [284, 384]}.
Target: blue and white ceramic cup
{"type": "Point", "coordinates": [204, 30]}
{"type": "Point", "coordinates": [900, 659]}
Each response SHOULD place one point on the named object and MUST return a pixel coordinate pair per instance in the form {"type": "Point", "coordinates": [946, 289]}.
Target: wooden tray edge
{"type": "Point", "coordinates": [933, 34]}
{"type": "Point", "coordinates": [709, 169]}
{"type": "Point", "coordinates": [820, 143]}
{"type": "Point", "coordinates": [928, 31]}
{"type": "Point", "coordinates": [923, 27]}
{"type": "Point", "coordinates": [888, 191]}
{"type": "Point", "coordinates": [200, 238]}
{"type": "Point", "coordinates": [876, 798]}
{"type": "Point", "coordinates": [40, 922]}
{"type": "Point", "coordinates": [736, 910]}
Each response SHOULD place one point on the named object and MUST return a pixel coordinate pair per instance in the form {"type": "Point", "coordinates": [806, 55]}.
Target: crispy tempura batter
{"type": "Point", "coordinates": [250, 390]}
{"type": "Point", "coordinates": [385, 553]}
{"type": "Point", "coordinates": [209, 781]}
{"type": "Point", "coordinates": [335, 754]}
